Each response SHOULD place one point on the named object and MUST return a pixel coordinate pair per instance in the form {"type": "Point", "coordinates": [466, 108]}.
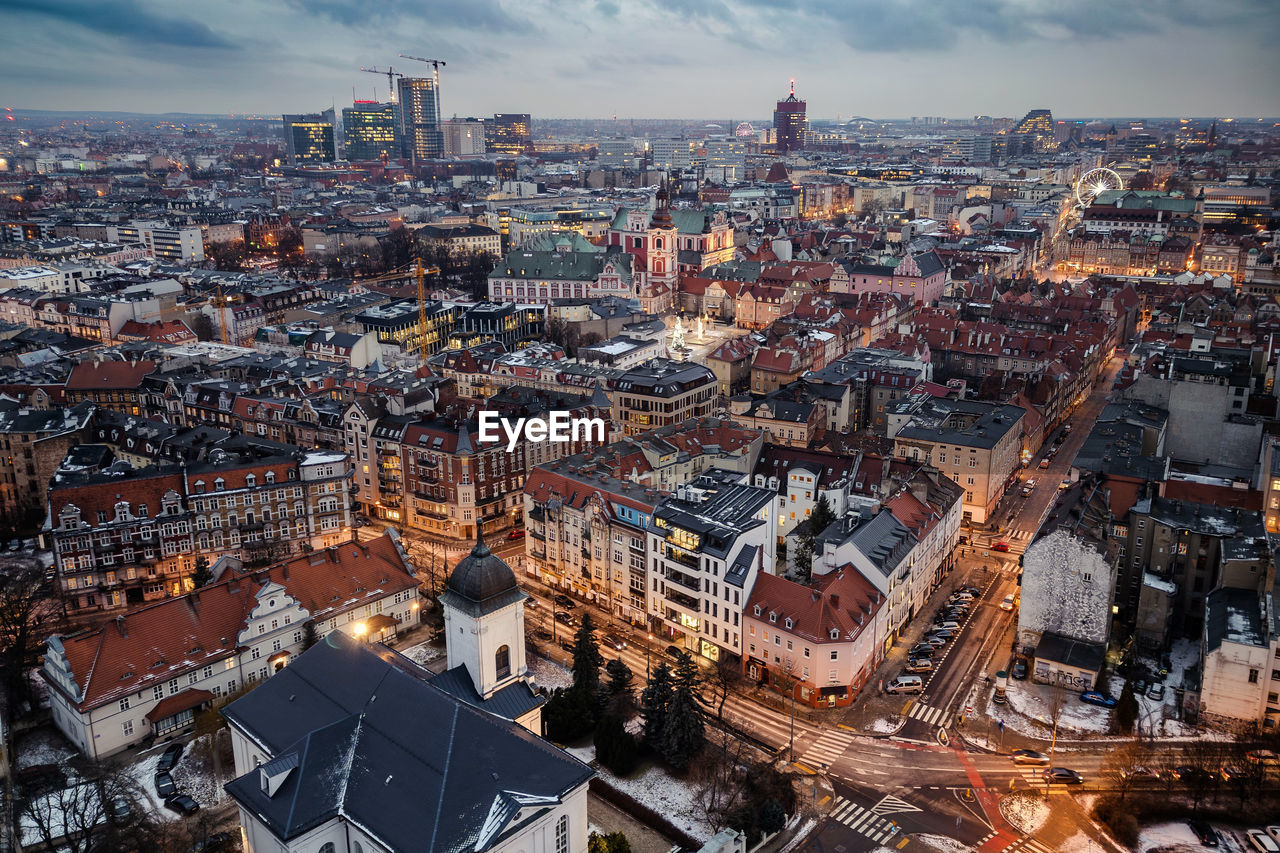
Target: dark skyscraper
{"type": "Point", "coordinates": [789, 122]}
{"type": "Point", "coordinates": [370, 129]}
{"type": "Point", "coordinates": [508, 133]}
{"type": "Point", "coordinates": [309, 138]}
{"type": "Point", "coordinates": [420, 135]}
{"type": "Point", "coordinates": [1031, 135]}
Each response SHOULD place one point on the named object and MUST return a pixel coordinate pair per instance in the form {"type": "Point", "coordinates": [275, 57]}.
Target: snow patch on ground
{"type": "Point", "coordinates": [675, 799]}
{"type": "Point", "coordinates": [423, 653]}
{"type": "Point", "coordinates": [547, 674]}
{"type": "Point", "coordinates": [1080, 843]}
{"type": "Point", "coordinates": [943, 843]}
{"type": "Point", "coordinates": [1163, 835]}
{"type": "Point", "coordinates": [194, 773]}
{"type": "Point", "coordinates": [800, 835]}
{"type": "Point", "coordinates": [1025, 812]}
{"type": "Point", "coordinates": [143, 772]}
{"type": "Point", "coordinates": [1031, 700]}
{"type": "Point", "coordinates": [43, 746]}
{"type": "Point", "coordinates": [885, 725]}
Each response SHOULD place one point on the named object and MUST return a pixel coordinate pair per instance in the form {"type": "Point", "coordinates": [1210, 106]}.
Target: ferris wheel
{"type": "Point", "coordinates": [1095, 182]}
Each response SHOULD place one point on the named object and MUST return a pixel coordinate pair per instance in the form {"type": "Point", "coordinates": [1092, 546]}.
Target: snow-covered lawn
{"type": "Point", "coordinates": [547, 674]}
{"type": "Point", "coordinates": [673, 798]}
{"type": "Point", "coordinates": [143, 772]}
{"type": "Point", "coordinates": [1026, 812]}
{"type": "Point", "coordinates": [885, 725]}
{"type": "Point", "coordinates": [1031, 704]}
{"type": "Point", "coordinates": [943, 843]}
{"type": "Point", "coordinates": [423, 653]}
{"type": "Point", "coordinates": [1165, 835]}
{"type": "Point", "coordinates": [43, 746]}
{"type": "Point", "coordinates": [194, 773]}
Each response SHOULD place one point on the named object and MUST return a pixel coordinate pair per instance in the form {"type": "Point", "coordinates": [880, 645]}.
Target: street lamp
{"type": "Point", "coordinates": [647, 644]}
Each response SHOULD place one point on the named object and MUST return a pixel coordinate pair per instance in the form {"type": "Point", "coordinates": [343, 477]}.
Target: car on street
{"type": "Point", "coordinates": [1028, 487]}
{"type": "Point", "coordinates": [565, 618]}
{"type": "Point", "coordinates": [164, 785]}
{"type": "Point", "coordinates": [1007, 602]}
{"type": "Point", "coordinates": [949, 625]}
{"type": "Point", "coordinates": [1188, 774]}
{"type": "Point", "coordinates": [1064, 485]}
{"type": "Point", "coordinates": [1000, 546]}
{"type": "Point", "coordinates": [182, 804]}
{"type": "Point", "coordinates": [613, 641]}
{"type": "Point", "coordinates": [119, 808]}
{"type": "Point", "coordinates": [1020, 669]}
{"type": "Point", "coordinates": [531, 602]}
{"type": "Point", "coordinates": [919, 665]}
{"type": "Point", "coordinates": [1156, 691]}
{"type": "Point", "coordinates": [905, 684]}
{"type": "Point", "coordinates": [1230, 773]}
{"type": "Point", "coordinates": [1262, 842]}
{"type": "Point", "coordinates": [1044, 463]}
{"type": "Point", "coordinates": [169, 758]}
{"type": "Point", "coordinates": [675, 651]}
{"type": "Point", "coordinates": [972, 590]}
{"type": "Point", "coordinates": [1029, 756]}
{"type": "Point", "coordinates": [1063, 775]}
{"type": "Point", "coordinates": [921, 650]}
{"type": "Point", "coordinates": [1093, 697]}
{"type": "Point", "coordinates": [516, 534]}
{"type": "Point", "coordinates": [932, 640]}
{"type": "Point", "coordinates": [1262, 756]}
{"type": "Point", "coordinates": [564, 601]}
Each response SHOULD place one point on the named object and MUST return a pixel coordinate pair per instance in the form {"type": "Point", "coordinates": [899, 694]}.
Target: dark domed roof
{"type": "Point", "coordinates": [481, 575]}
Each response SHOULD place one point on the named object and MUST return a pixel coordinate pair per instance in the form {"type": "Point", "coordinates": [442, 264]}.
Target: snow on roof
{"type": "Point", "coordinates": [1157, 582]}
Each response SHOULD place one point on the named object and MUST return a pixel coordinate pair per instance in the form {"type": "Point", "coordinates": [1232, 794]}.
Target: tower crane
{"type": "Point", "coordinates": [420, 273]}
{"type": "Point", "coordinates": [434, 63]}
{"type": "Point", "coordinates": [390, 74]}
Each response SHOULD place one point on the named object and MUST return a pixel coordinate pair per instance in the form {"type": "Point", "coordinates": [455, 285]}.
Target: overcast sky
{"type": "Point", "coordinates": [653, 58]}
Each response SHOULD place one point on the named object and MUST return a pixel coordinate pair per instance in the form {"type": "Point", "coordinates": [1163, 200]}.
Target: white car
{"type": "Point", "coordinates": [1007, 602]}
{"type": "Point", "coordinates": [1262, 842]}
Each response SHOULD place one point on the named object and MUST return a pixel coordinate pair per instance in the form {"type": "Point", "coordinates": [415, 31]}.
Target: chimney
{"type": "Point", "coordinates": [121, 627]}
{"type": "Point", "coordinates": [835, 600]}
{"type": "Point", "coordinates": [333, 553]}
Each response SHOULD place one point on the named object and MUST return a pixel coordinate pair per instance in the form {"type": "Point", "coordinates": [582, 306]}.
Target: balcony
{"type": "Point", "coordinates": [684, 580]}
{"type": "Point", "coordinates": [688, 602]}
{"type": "Point", "coordinates": [682, 557]}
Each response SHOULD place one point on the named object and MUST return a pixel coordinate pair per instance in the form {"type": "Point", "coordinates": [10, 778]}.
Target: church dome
{"type": "Point", "coordinates": [481, 575]}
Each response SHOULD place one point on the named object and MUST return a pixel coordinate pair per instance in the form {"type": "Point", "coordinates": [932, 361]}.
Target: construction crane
{"type": "Point", "coordinates": [390, 74]}
{"type": "Point", "coordinates": [434, 63]}
{"type": "Point", "coordinates": [220, 302]}
{"type": "Point", "coordinates": [420, 273]}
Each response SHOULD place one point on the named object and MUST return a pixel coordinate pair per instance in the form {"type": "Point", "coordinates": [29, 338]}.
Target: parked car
{"type": "Point", "coordinates": [1156, 691]}
{"type": "Point", "coordinates": [921, 650]}
{"type": "Point", "coordinates": [1262, 756]}
{"type": "Point", "coordinates": [919, 665]}
{"type": "Point", "coordinates": [164, 785]}
{"type": "Point", "coordinates": [931, 640]}
{"type": "Point", "coordinates": [1007, 602]}
{"type": "Point", "coordinates": [972, 590]}
{"type": "Point", "coordinates": [1093, 697]}
{"type": "Point", "coordinates": [950, 625]}
{"type": "Point", "coordinates": [169, 758]}
{"type": "Point", "coordinates": [215, 843]}
{"type": "Point", "coordinates": [565, 601]}
{"type": "Point", "coordinates": [944, 634]}
{"type": "Point", "coordinates": [1063, 776]}
{"type": "Point", "coordinates": [1029, 756]}
{"type": "Point", "coordinates": [613, 641]}
{"type": "Point", "coordinates": [960, 598]}
{"type": "Point", "coordinates": [1274, 832]}
{"type": "Point", "coordinates": [1044, 463]}
{"type": "Point", "coordinates": [1000, 546]}
{"type": "Point", "coordinates": [1230, 773]}
{"type": "Point", "coordinates": [1139, 687]}
{"type": "Point", "coordinates": [182, 804]}
{"type": "Point", "coordinates": [1262, 842]}
{"type": "Point", "coordinates": [1019, 669]}
{"type": "Point", "coordinates": [531, 603]}
{"type": "Point", "coordinates": [905, 684]}
{"type": "Point", "coordinates": [119, 808]}
{"type": "Point", "coordinates": [516, 534]}
{"type": "Point", "coordinates": [1186, 773]}
{"type": "Point", "coordinates": [675, 651]}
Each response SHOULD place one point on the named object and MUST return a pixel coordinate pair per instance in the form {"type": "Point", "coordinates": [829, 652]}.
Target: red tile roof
{"type": "Point", "coordinates": [160, 641]}
{"type": "Point", "coordinates": [843, 601]}
{"type": "Point", "coordinates": [108, 375]}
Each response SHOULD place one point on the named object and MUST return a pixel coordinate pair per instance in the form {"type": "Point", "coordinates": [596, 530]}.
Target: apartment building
{"type": "Point", "coordinates": [707, 544]}
{"type": "Point", "coordinates": [137, 677]}
{"type": "Point", "coordinates": [33, 443]}
{"type": "Point", "coordinates": [661, 393]}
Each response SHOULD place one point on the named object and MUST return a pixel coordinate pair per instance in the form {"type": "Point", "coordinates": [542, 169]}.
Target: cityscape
{"type": "Point", "coordinates": [582, 436]}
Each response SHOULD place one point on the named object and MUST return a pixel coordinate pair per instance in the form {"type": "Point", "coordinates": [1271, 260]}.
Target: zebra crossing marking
{"type": "Point", "coordinates": [893, 805]}
{"type": "Point", "coordinates": [864, 821]}
{"type": "Point", "coordinates": [926, 714]}
{"type": "Point", "coordinates": [1028, 844]}
{"type": "Point", "coordinates": [827, 748]}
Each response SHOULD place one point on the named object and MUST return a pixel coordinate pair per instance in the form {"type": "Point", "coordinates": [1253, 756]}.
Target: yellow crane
{"type": "Point", "coordinates": [220, 302]}
{"type": "Point", "coordinates": [420, 274]}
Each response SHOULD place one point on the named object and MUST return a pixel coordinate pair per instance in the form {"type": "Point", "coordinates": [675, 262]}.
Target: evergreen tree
{"type": "Point", "coordinates": [200, 575]}
{"type": "Point", "coordinates": [569, 714]}
{"type": "Point", "coordinates": [772, 817]}
{"type": "Point", "coordinates": [822, 516]}
{"type": "Point", "coordinates": [618, 695]}
{"type": "Point", "coordinates": [683, 733]}
{"type": "Point", "coordinates": [613, 842]}
{"type": "Point", "coordinates": [655, 699]}
{"type": "Point", "coordinates": [309, 637]}
{"type": "Point", "coordinates": [587, 659]}
{"type": "Point", "coordinates": [615, 746]}
{"type": "Point", "coordinates": [1126, 708]}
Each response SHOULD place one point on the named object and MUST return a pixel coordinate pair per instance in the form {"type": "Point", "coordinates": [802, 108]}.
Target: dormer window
{"type": "Point", "coordinates": [773, 617]}
{"type": "Point", "coordinates": [293, 475]}
{"type": "Point", "coordinates": [756, 610]}
{"type": "Point", "coordinates": [198, 487]}
{"type": "Point", "coordinates": [219, 484]}
{"type": "Point", "coordinates": [789, 623]}
{"type": "Point", "coordinates": [250, 480]}
{"type": "Point", "coordinates": [835, 633]}
{"type": "Point", "coordinates": [270, 477]}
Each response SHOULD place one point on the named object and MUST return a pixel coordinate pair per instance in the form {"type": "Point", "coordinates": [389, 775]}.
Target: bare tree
{"type": "Point", "coordinates": [77, 817]}
{"type": "Point", "coordinates": [1055, 701]}
{"type": "Point", "coordinates": [725, 676]}
{"type": "Point", "coordinates": [1124, 766]}
{"type": "Point", "coordinates": [721, 779]}
{"type": "Point", "coordinates": [27, 616]}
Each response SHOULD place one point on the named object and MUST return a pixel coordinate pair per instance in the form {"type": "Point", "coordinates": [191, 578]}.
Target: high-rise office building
{"type": "Point", "coordinates": [789, 121]}
{"type": "Point", "coordinates": [508, 133]}
{"type": "Point", "coordinates": [309, 138]}
{"type": "Point", "coordinates": [420, 134]}
{"type": "Point", "coordinates": [464, 137]}
{"type": "Point", "coordinates": [370, 129]}
{"type": "Point", "coordinates": [1034, 133]}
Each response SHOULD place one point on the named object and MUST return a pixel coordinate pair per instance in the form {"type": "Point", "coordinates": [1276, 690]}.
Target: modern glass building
{"type": "Point", "coordinates": [370, 130]}
{"type": "Point", "coordinates": [508, 133]}
{"type": "Point", "coordinates": [309, 138]}
{"type": "Point", "coordinates": [420, 135]}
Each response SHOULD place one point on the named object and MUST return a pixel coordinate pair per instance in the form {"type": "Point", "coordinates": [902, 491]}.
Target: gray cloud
{"type": "Point", "coordinates": [487, 15]}
{"type": "Point", "coordinates": [131, 22]}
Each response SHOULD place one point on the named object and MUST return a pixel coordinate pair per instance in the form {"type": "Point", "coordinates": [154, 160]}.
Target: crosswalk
{"type": "Point", "coordinates": [1019, 535]}
{"type": "Point", "coordinates": [926, 714]}
{"type": "Point", "coordinates": [1027, 844]}
{"type": "Point", "coordinates": [863, 820]}
{"type": "Point", "coordinates": [827, 748]}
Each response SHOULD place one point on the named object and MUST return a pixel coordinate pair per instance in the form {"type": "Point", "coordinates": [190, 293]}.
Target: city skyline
{"type": "Point", "coordinates": [595, 58]}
